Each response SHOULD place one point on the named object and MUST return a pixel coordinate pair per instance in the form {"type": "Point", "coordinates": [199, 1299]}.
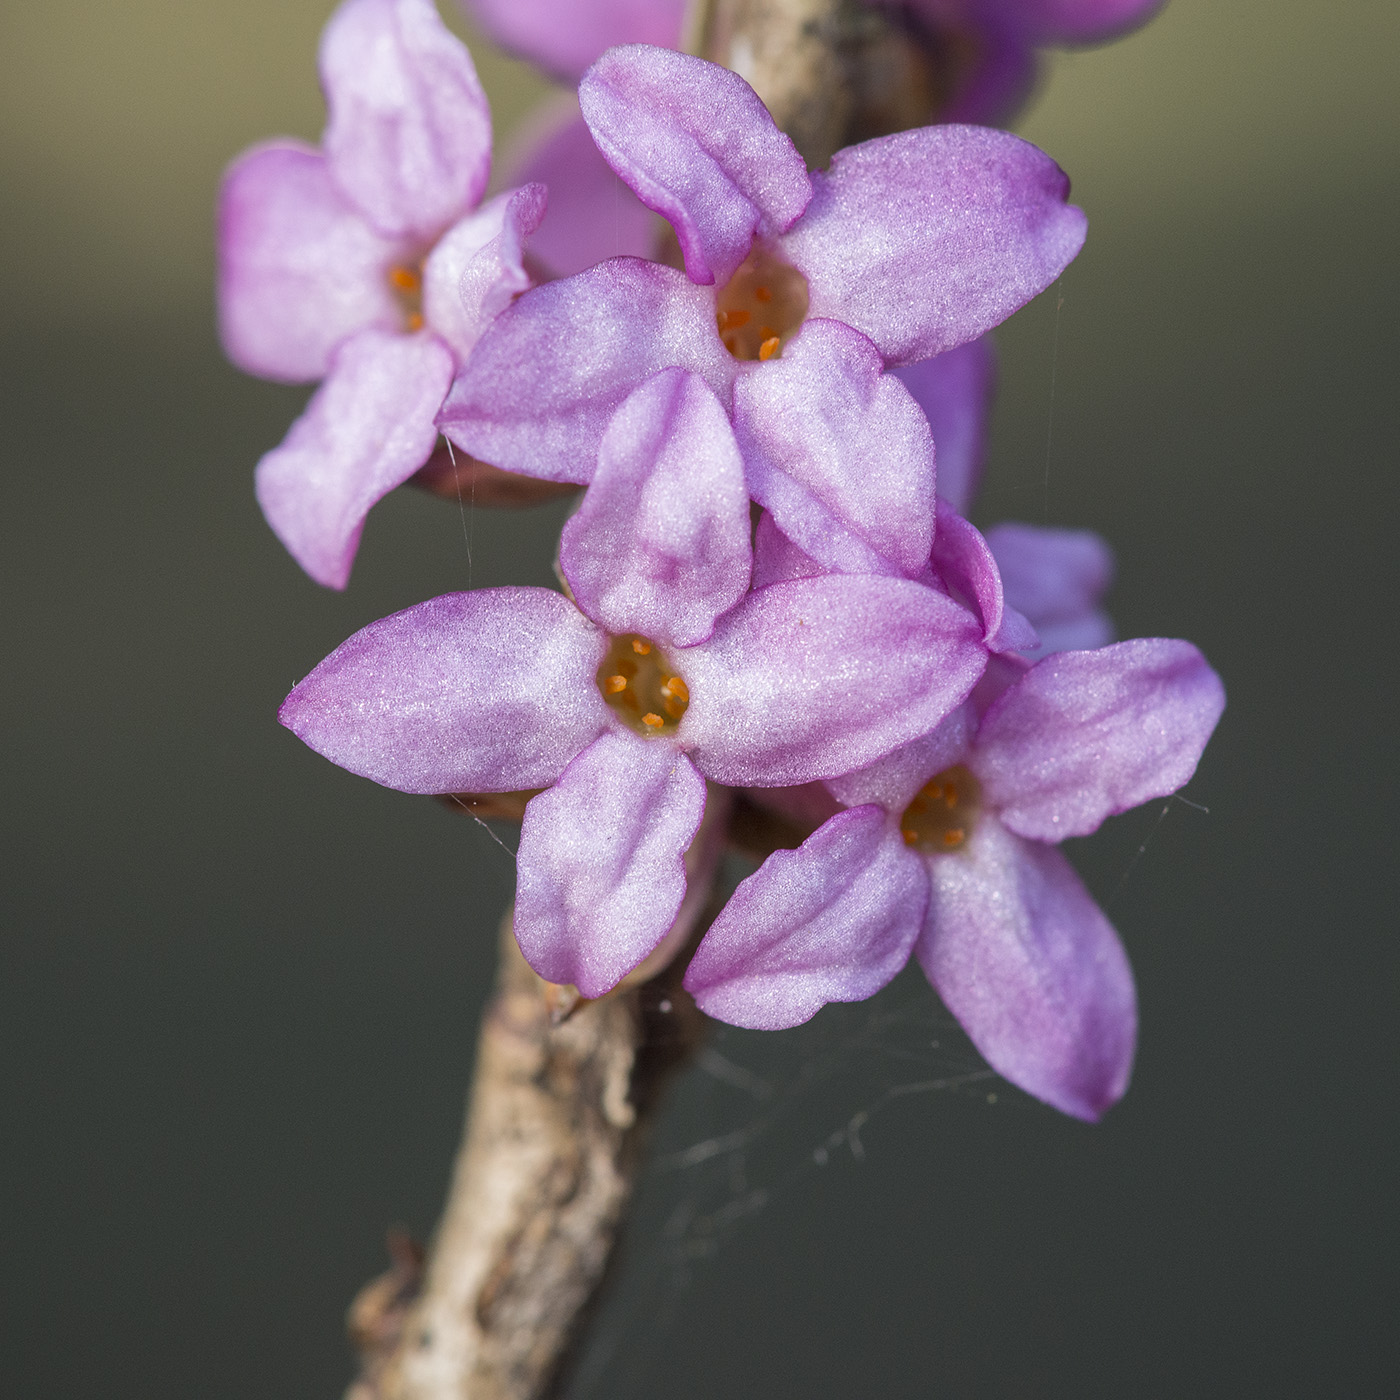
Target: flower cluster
{"type": "Point", "coordinates": [769, 581]}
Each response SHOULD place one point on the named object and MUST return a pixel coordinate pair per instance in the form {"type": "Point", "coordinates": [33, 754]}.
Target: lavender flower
{"type": "Point", "coordinates": [947, 850]}
{"type": "Point", "coordinates": [665, 674]}
{"type": "Point", "coordinates": [799, 292]}
{"type": "Point", "coordinates": [363, 264]}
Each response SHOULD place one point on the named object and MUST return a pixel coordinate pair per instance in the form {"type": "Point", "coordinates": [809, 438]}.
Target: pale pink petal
{"type": "Point", "coordinates": [542, 384]}
{"type": "Point", "coordinates": [965, 564]}
{"type": "Point", "coordinates": [1051, 575]}
{"type": "Point", "coordinates": [592, 215]}
{"type": "Point", "coordinates": [1085, 734]}
{"type": "Point", "coordinates": [367, 429]}
{"type": "Point", "coordinates": [477, 267]}
{"type": "Point", "coordinates": [660, 544]}
{"type": "Point", "coordinates": [601, 865]}
{"type": "Point", "coordinates": [955, 391]}
{"type": "Point", "coordinates": [490, 691]}
{"type": "Point", "coordinates": [408, 130]}
{"type": "Point", "coordinates": [1026, 961]}
{"type": "Point", "coordinates": [926, 239]}
{"type": "Point", "coordinates": [815, 677]}
{"type": "Point", "coordinates": [565, 38]}
{"type": "Point", "coordinates": [299, 268]}
{"type": "Point", "coordinates": [694, 143]}
{"type": "Point", "coordinates": [831, 921]}
{"type": "Point", "coordinates": [839, 453]}
{"type": "Point", "coordinates": [776, 559]}
{"type": "Point", "coordinates": [894, 780]}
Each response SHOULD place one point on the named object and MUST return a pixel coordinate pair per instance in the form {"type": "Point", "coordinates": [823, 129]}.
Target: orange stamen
{"type": "Point", "coordinates": [769, 348]}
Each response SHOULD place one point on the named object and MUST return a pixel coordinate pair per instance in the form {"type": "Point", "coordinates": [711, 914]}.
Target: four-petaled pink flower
{"type": "Point", "coordinates": [800, 292]}
{"type": "Point", "coordinates": [363, 264]}
{"type": "Point", "coordinates": [668, 672]}
{"type": "Point", "coordinates": [947, 850]}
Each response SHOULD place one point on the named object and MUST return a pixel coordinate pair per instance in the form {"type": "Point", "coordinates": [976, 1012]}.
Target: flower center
{"type": "Point", "coordinates": [406, 282]}
{"type": "Point", "coordinates": [761, 307]}
{"type": "Point", "coordinates": [943, 813]}
{"type": "Point", "coordinates": [639, 683]}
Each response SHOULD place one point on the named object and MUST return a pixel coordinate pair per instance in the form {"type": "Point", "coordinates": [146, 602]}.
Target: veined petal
{"type": "Point", "coordinates": [565, 39]}
{"type": "Point", "coordinates": [476, 268]}
{"type": "Point", "coordinates": [408, 129]}
{"type": "Point", "coordinates": [592, 215]}
{"type": "Point", "coordinates": [833, 920]}
{"type": "Point", "coordinates": [955, 391]}
{"type": "Point", "coordinates": [660, 544]}
{"type": "Point", "coordinates": [693, 141]}
{"type": "Point", "coordinates": [835, 447]}
{"type": "Point", "coordinates": [367, 429]}
{"type": "Point", "coordinates": [966, 565]}
{"type": "Point", "coordinates": [1026, 961]}
{"type": "Point", "coordinates": [299, 268]}
{"type": "Point", "coordinates": [602, 860]}
{"type": "Point", "coordinates": [926, 239]}
{"type": "Point", "coordinates": [489, 691]}
{"type": "Point", "coordinates": [816, 677]}
{"type": "Point", "coordinates": [1085, 734]}
{"type": "Point", "coordinates": [543, 382]}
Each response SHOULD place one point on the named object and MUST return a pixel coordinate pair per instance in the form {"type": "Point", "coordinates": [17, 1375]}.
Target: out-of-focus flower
{"type": "Point", "coordinates": [1057, 579]}
{"type": "Point", "coordinates": [800, 291]}
{"type": "Point", "coordinates": [364, 265]}
{"type": "Point", "coordinates": [947, 849]}
{"type": "Point", "coordinates": [665, 674]}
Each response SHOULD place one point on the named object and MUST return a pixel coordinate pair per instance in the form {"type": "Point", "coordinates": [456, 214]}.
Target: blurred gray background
{"type": "Point", "coordinates": [240, 987]}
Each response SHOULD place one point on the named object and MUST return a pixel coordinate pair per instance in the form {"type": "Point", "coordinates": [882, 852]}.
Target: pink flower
{"type": "Point", "coordinates": [362, 264]}
{"type": "Point", "coordinates": [667, 673]}
{"type": "Point", "coordinates": [800, 291]}
{"type": "Point", "coordinates": [947, 850]}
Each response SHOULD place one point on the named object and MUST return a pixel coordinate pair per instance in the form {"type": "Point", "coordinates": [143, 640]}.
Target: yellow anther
{"type": "Point", "coordinates": [415, 321]}
{"type": "Point", "coordinates": [616, 683]}
{"type": "Point", "coordinates": [405, 279]}
{"type": "Point", "coordinates": [640, 647]}
{"type": "Point", "coordinates": [909, 836]}
{"type": "Point", "coordinates": [943, 812]}
{"type": "Point", "coordinates": [655, 721]}
{"type": "Point", "coordinates": [769, 348]}
{"type": "Point", "coordinates": [954, 836]}
{"type": "Point", "coordinates": [677, 687]}
{"type": "Point", "coordinates": [764, 294]}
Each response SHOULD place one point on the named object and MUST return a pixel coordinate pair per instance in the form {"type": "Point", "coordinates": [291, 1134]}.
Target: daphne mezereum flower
{"type": "Point", "coordinates": [363, 264]}
{"type": "Point", "coordinates": [947, 850]}
{"type": "Point", "coordinates": [666, 673]}
{"type": "Point", "coordinates": [799, 292]}
{"type": "Point", "coordinates": [1056, 579]}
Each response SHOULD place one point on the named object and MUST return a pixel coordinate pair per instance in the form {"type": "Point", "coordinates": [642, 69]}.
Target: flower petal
{"type": "Point", "coordinates": [601, 865]}
{"type": "Point", "coordinates": [299, 268]}
{"type": "Point", "coordinates": [366, 430]}
{"type": "Point", "coordinates": [543, 382]}
{"type": "Point", "coordinates": [1079, 21]}
{"type": "Point", "coordinates": [955, 391]}
{"type": "Point", "coordinates": [490, 691]}
{"type": "Point", "coordinates": [565, 39]}
{"type": "Point", "coordinates": [836, 448]}
{"type": "Point", "coordinates": [1051, 575]}
{"type": "Point", "coordinates": [408, 129]}
{"type": "Point", "coordinates": [815, 677]}
{"type": "Point", "coordinates": [776, 559]}
{"type": "Point", "coordinates": [966, 565]}
{"type": "Point", "coordinates": [926, 239]}
{"type": "Point", "coordinates": [592, 215]}
{"type": "Point", "coordinates": [693, 141]}
{"type": "Point", "coordinates": [833, 920]}
{"type": "Point", "coordinates": [476, 268]}
{"type": "Point", "coordinates": [1085, 734]}
{"type": "Point", "coordinates": [660, 544]}
{"type": "Point", "coordinates": [894, 780]}
{"type": "Point", "coordinates": [1026, 961]}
